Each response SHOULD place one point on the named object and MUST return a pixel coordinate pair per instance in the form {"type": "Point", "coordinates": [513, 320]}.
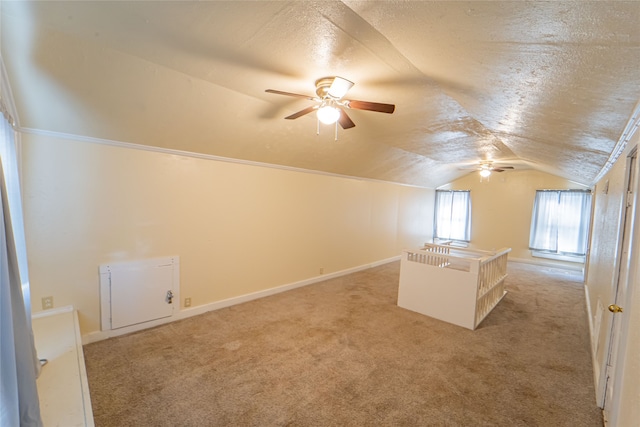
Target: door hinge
{"type": "Point", "coordinates": [629, 198]}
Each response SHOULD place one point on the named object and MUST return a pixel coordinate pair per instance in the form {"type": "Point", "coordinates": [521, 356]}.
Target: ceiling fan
{"type": "Point", "coordinates": [486, 167]}
{"type": "Point", "coordinates": [331, 104]}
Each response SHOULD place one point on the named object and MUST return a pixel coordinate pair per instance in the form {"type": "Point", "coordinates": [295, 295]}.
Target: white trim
{"type": "Point", "coordinates": [52, 312]}
{"type": "Point", "coordinates": [69, 330]}
{"type": "Point", "coordinates": [617, 366]}
{"type": "Point", "coordinates": [580, 259]}
{"type": "Point", "coordinates": [217, 305]}
{"type": "Point", "coordinates": [105, 298]}
{"type": "Point", "coordinates": [630, 129]}
{"type": "Point", "coordinates": [171, 151]}
{"type": "Point", "coordinates": [84, 379]}
{"type": "Point", "coordinates": [589, 316]}
{"type": "Point", "coordinates": [593, 338]}
{"type": "Point", "coordinates": [6, 95]}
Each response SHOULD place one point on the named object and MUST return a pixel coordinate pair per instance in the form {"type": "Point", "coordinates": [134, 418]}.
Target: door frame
{"type": "Point", "coordinates": [626, 274]}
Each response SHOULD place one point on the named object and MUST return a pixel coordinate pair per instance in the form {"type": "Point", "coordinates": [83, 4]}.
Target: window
{"type": "Point", "coordinates": [19, 364]}
{"type": "Point", "coordinates": [560, 222]}
{"type": "Point", "coordinates": [9, 162]}
{"type": "Point", "coordinates": [453, 215]}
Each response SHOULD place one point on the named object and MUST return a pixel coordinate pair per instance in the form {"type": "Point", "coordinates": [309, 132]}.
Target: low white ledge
{"type": "Point", "coordinates": [63, 388]}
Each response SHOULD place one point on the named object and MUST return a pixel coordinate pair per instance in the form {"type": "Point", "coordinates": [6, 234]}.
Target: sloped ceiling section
{"type": "Point", "coordinates": [544, 85]}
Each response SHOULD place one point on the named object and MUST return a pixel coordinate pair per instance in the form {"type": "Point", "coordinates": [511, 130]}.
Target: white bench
{"type": "Point", "coordinates": [63, 389]}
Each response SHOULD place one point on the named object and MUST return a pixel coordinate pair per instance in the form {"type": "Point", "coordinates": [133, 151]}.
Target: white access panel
{"type": "Point", "coordinates": [137, 292]}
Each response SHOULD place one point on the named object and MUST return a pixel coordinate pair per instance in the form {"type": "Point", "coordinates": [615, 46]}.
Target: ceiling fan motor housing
{"type": "Point", "coordinates": [322, 86]}
{"type": "Point", "coordinates": [332, 87]}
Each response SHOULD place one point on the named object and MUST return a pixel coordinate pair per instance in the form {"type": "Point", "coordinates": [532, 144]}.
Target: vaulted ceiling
{"type": "Point", "coordinates": [544, 85]}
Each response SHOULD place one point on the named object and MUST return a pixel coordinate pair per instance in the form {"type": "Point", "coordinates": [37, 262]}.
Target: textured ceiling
{"type": "Point", "coordinates": [543, 85]}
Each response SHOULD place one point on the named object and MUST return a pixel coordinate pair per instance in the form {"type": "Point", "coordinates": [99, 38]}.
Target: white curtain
{"type": "Point", "coordinates": [560, 221]}
{"type": "Point", "coordinates": [19, 364]}
{"type": "Point", "coordinates": [453, 215]}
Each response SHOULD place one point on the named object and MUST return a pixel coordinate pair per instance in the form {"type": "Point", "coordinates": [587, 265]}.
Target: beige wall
{"type": "Point", "coordinates": [237, 228]}
{"type": "Point", "coordinates": [502, 206]}
{"type": "Point", "coordinates": [240, 228]}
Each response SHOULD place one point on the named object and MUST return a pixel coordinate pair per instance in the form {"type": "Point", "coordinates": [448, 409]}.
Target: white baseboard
{"type": "Point", "coordinates": [216, 305]}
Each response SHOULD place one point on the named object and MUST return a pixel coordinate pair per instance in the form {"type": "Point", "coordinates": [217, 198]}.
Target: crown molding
{"type": "Point", "coordinates": [630, 129]}
{"type": "Point", "coordinates": [183, 153]}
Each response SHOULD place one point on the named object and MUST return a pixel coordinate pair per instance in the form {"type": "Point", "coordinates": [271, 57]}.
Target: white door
{"type": "Point", "coordinates": [616, 307]}
{"type": "Point", "coordinates": [141, 291]}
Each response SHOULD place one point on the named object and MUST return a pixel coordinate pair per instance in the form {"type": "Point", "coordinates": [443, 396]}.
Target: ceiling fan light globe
{"type": "Point", "coordinates": [328, 115]}
{"type": "Point", "coordinates": [485, 173]}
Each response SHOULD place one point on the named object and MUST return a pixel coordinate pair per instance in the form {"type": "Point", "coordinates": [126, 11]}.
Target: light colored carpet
{"type": "Point", "coordinates": [342, 353]}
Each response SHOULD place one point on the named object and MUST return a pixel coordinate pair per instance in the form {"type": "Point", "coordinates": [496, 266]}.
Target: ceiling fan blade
{"type": "Point", "coordinates": [370, 106]}
{"type": "Point", "coordinates": [345, 121]}
{"type": "Point", "coordinates": [302, 112]}
{"type": "Point", "coordinates": [502, 168]}
{"type": "Point", "coordinates": [297, 95]}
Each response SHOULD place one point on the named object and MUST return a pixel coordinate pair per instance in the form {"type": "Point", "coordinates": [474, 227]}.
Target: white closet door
{"type": "Point", "coordinates": [141, 291]}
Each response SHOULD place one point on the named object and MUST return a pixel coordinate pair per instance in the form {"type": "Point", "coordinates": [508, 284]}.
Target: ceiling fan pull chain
{"type": "Point", "coordinates": [336, 135]}
{"type": "Point", "coordinates": [317, 126]}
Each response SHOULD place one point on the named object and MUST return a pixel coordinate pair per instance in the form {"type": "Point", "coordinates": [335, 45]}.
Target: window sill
{"type": "Point", "coordinates": [558, 257]}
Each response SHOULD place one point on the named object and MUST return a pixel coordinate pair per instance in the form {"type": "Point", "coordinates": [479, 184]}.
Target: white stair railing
{"type": "Point", "coordinates": [468, 282]}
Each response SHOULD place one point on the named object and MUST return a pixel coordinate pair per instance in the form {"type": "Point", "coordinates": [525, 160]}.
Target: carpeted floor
{"type": "Point", "coordinates": [342, 353]}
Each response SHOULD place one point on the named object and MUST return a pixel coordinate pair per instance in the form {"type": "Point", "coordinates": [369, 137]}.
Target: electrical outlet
{"type": "Point", "coordinates": [47, 303]}
{"type": "Point", "coordinates": [187, 302]}
{"type": "Point", "coordinates": [321, 270]}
